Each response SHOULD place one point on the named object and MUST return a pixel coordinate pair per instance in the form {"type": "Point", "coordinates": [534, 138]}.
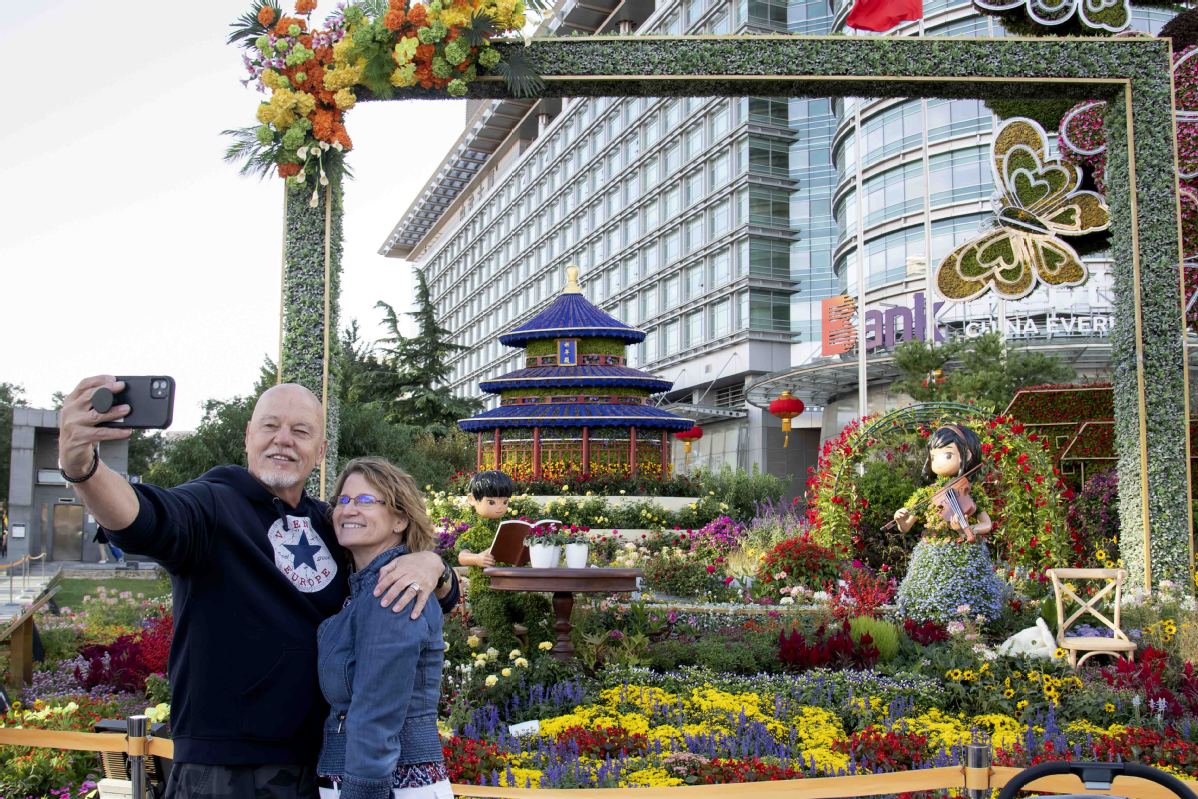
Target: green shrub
{"type": "Point", "coordinates": [677, 573]}
{"type": "Point", "coordinates": [886, 485]}
{"type": "Point", "coordinates": [60, 642]}
{"type": "Point", "coordinates": [752, 653]}
{"type": "Point", "coordinates": [885, 635]}
{"type": "Point", "coordinates": [741, 491]}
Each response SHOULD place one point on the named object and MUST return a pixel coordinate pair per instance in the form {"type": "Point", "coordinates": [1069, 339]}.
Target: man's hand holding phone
{"type": "Point", "coordinates": [79, 430]}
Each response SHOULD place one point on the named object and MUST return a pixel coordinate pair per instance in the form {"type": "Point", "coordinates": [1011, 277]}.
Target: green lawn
{"type": "Point", "coordinates": [71, 591]}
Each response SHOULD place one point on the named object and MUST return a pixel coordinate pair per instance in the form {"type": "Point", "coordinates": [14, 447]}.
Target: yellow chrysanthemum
{"type": "Point", "coordinates": [651, 777]}
{"type": "Point", "coordinates": [345, 99]}
{"type": "Point", "coordinates": [404, 76]}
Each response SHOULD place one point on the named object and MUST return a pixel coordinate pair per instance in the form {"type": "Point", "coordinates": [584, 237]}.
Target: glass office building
{"type": "Point", "coordinates": [718, 225]}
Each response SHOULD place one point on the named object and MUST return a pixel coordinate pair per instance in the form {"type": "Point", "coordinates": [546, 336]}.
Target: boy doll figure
{"type": "Point", "coordinates": [489, 493]}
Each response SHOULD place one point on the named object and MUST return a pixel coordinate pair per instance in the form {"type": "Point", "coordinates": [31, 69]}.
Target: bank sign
{"type": "Point", "coordinates": [895, 324]}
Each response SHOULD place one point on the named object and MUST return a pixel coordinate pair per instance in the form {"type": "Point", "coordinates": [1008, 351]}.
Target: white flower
{"type": "Point", "coordinates": [963, 610]}
{"type": "Point", "coordinates": [492, 653]}
{"type": "Point", "coordinates": [820, 596]}
{"type": "Point", "coordinates": [515, 653]}
{"type": "Point", "coordinates": [491, 680]}
{"type": "Point", "coordinates": [786, 600]}
{"type": "Point", "coordinates": [522, 663]}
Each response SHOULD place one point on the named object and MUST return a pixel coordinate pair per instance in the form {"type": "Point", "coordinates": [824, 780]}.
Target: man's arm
{"type": "Point", "coordinates": [413, 578]}
{"type": "Point", "coordinates": [107, 495]}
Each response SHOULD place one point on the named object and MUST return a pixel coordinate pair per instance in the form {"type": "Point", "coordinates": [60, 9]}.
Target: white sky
{"type": "Point", "coordinates": [127, 246]}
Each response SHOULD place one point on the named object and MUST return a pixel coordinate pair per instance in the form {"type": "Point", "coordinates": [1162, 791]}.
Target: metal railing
{"type": "Point", "coordinates": [23, 565]}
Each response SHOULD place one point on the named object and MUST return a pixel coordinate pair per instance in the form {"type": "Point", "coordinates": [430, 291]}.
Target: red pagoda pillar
{"type": "Point", "coordinates": [665, 453]}
{"type": "Point", "coordinates": [478, 457]}
{"type": "Point", "coordinates": [497, 447]}
{"type": "Point", "coordinates": [631, 453]}
{"type": "Point", "coordinates": [536, 453]}
{"type": "Point", "coordinates": [586, 451]}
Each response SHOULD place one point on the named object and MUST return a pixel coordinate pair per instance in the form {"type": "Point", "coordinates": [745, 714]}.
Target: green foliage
{"type": "Point", "coordinates": [11, 396]}
{"type": "Point", "coordinates": [886, 485]}
{"type": "Point", "coordinates": [421, 368]}
{"type": "Point", "coordinates": [745, 653]}
{"type": "Point", "coordinates": [219, 439]}
{"type": "Point", "coordinates": [679, 574]}
{"type": "Point", "coordinates": [985, 370]}
{"type": "Point", "coordinates": [158, 689]}
{"type": "Point", "coordinates": [885, 635]}
{"type": "Point", "coordinates": [145, 449]}
{"type": "Point", "coordinates": [588, 345]}
{"type": "Point", "coordinates": [742, 491]}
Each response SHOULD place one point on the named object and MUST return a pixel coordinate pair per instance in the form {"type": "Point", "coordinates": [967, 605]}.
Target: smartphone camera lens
{"type": "Point", "coordinates": [158, 388]}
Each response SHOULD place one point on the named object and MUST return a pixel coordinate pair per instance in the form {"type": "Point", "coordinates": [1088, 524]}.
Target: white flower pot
{"type": "Point", "coordinates": [576, 555]}
{"type": "Point", "coordinates": [545, 556]}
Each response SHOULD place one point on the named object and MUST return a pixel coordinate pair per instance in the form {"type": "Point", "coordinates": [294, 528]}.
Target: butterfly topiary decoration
{"type": "Point", "coordinates": [1101, 15]}
{"type": "Point", "coordinates": [1039, 200]}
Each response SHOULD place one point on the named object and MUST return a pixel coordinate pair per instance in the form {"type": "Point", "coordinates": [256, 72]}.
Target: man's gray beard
{"type": "Point", "coordinates": [277, 480]}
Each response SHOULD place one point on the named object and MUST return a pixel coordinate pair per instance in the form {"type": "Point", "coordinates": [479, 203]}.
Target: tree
{"type": "Point", "coordinates": [421, 368]}
{"type": "Point", "coordinates": [11, 396]}
{"type": "Point", "coordinates": [984, 370]}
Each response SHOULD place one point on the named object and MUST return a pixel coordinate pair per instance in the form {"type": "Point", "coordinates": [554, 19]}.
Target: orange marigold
{"type": "Point", "coordinates": [305, 6]}
{"type": "Point", "coordinates": [397, 5]}
{"type": "Point", "coordinates": [287, 22]}
{"type": "Point", "coordinates": [418, 15]}
{"type": "Point", "coordinates": [287, 170]}
{"type": "Point", "coordinates": [266, 15]}
{"type": "Point", "coordinates": [322, 124]}
{"type": "Point", "coordinates": [393, 19]}
{"type": "Point", "coordinates": [425, 52]}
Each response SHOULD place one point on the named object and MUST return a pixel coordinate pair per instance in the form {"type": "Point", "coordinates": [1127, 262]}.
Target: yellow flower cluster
{"type": "Point", "coordinates": [1165, 630]}
{"type": "Point", "coordinates": [652, 777]}
{"type": "Point", "coordinates": [285, 107]}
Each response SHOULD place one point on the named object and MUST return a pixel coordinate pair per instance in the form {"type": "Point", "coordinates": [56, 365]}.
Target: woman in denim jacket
{"type": "Point", "coordinates": [379, 670]}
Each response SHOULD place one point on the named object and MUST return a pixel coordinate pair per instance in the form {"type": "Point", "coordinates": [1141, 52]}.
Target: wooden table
{"type": "Point", "coordinates": [563, 584]}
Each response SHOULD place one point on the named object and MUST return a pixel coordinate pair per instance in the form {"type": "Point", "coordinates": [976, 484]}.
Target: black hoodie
{"type": "Point", "coordinates": [252, 579]}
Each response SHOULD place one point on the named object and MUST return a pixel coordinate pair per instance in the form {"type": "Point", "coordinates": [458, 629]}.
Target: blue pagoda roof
{"type": "Point", "coordinates": [576, 415]}
{"type": "Point", "coordinates": [548, 377]}
{"type": "Point", "coordinates": [571, 314]}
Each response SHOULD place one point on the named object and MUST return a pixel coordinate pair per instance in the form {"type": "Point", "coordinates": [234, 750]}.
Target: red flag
{"type": "Point", "coordinates": [882, 15]}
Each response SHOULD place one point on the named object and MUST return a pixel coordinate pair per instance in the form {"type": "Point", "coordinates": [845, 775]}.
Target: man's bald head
{"type": "Point", "coordinates": [285, 439]}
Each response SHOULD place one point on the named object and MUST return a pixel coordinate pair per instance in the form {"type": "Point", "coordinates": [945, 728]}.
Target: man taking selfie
{"type": "Point", "coordinates": [254, 569]}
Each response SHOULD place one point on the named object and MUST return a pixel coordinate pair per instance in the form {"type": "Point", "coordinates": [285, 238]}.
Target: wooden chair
{"type": "Point", "coordinates": [1119, 645]}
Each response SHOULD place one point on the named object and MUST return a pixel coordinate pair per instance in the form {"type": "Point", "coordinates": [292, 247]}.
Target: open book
{"type": "Point", "coordinates": [508, 546]}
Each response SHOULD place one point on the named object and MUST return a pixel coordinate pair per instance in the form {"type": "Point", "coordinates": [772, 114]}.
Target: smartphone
{"type": "Point", "coordinates": [151, 401]}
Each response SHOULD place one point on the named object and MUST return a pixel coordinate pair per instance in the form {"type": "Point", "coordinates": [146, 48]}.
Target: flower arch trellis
{"type": "Point", "coordinates": [1027, 495]}
{"type": "Point", "coordinates": [1131, 74]}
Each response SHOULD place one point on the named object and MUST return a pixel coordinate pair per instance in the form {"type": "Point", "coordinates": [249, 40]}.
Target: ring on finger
{"type": "Point", "coordinates": [415, 586]}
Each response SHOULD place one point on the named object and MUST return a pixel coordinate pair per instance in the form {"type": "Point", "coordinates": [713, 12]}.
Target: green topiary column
{"type": "Point", "coordinates": [311, 291]}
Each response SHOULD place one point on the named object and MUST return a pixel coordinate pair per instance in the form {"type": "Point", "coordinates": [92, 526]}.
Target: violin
{"type": "Point", "coordinates": [953, 503]}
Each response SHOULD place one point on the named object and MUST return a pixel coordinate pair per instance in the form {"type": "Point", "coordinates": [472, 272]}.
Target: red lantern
{"type": "Point", "coordinates": [688, 437]}
{"type": "Point", "coordinates": [786, 407]}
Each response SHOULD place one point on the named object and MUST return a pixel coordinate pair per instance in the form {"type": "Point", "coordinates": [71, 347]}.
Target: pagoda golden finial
{"type": "Point", "coordinates": [572, 281]}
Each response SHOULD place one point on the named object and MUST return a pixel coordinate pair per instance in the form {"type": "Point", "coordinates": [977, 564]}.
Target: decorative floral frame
{"type": "Point", "coordinates": [1132, 74]}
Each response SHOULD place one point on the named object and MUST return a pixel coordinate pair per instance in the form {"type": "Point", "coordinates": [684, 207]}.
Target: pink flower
{"type": "Point", "coordinates": [710, 569]}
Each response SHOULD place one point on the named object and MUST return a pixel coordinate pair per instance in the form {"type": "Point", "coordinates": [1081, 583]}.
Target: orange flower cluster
{"type": "Point", "coordinates": [266, 15]}
{"type": "Point", "coordinates": [406, 24]}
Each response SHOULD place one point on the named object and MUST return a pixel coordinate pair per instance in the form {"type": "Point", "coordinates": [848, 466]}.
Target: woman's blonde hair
{"type": "Point", "coordinates": [398, 491]}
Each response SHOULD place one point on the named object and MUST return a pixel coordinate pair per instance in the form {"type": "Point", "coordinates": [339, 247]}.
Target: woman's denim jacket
{"type": "Point", "coordinates": [381, 673]}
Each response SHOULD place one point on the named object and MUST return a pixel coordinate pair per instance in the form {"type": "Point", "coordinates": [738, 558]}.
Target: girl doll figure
{"type": "Point", "coordinates": [950, 574]}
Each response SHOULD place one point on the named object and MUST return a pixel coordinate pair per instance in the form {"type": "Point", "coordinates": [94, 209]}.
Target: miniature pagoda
{"type": "Point", "coordinates": [576, 407]}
